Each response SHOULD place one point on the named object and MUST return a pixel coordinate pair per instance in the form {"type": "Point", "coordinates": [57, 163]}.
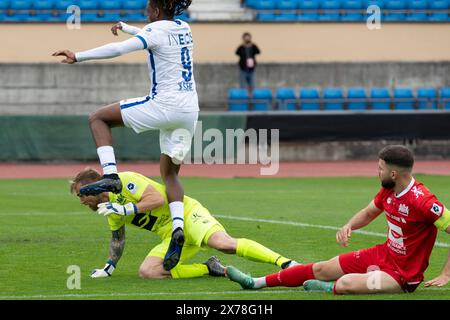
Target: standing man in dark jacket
{"type": "Point", "coordinates": [247, 52]}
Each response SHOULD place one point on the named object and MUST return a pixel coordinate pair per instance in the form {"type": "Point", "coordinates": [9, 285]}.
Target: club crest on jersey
{"type": "Point", "coordinates": [417, 192]}
{"type": "Point", "coordinates": [131, 187]}
{"type": "Point", "coordinates": [389, 200]}
{"type": "Point", "coordinates": [148, 29]}
{"type": "Point", "coordinates": [437, 209]}
{"type": "Point", "coordinates": [403, 209]}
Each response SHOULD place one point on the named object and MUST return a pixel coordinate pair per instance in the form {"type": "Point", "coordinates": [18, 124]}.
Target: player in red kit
{"type": "Point", "coordinates": [414, 216]}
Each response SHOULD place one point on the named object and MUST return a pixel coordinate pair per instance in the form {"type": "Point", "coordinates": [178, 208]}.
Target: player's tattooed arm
{"type": "Point", "coordinates": [117, 244]}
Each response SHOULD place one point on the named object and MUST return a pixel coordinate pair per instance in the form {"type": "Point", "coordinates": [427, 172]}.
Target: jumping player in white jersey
{"type": "Point", "coordinates": [171, 105]}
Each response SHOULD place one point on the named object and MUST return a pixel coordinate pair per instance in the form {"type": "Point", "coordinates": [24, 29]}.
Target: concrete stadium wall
{"type": "Point", "coordinates": [80, 89]}
{"type": "Point", "coordinates": [217, 42]}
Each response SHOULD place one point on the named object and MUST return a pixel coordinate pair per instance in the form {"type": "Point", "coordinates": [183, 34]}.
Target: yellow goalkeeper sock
{"type": "Point", "coordinates": [183, 271]}
{"type": "Point", "coordinates": [257, 252]}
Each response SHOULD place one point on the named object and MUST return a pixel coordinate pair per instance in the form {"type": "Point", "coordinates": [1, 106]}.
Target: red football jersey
{"type": "Point", "coordinates": [410, 215]}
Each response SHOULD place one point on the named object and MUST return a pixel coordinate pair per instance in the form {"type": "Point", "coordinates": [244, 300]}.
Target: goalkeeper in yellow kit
{"type": "Point", "coordinates": [143, 204]}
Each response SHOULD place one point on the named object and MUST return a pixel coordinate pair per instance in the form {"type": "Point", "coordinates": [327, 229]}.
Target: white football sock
{"type": "Point", "coordinates": [177, 213]}
{"type": "Point", "coordinates": [259, 282]}
{"type": "Point", "coordinates": [107, 159]}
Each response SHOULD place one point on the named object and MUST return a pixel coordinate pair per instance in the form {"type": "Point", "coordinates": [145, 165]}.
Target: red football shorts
{"type": "Point", "coordinates": [371, 259]}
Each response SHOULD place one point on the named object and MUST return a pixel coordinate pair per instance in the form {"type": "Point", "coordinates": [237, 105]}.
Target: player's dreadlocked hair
{"type": "Point", "coordinates": [172, 7]}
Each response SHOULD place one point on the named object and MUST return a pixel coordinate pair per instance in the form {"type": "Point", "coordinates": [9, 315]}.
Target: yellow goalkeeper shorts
{"type": "Point", "coordinates": [199, 225]}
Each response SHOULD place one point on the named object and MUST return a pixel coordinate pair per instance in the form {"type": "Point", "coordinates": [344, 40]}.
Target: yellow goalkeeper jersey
{"type": "Point", "coordinates": [133, 186]}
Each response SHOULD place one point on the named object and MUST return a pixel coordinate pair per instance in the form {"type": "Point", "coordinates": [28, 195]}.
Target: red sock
{"type": "Point", "coordinates": [291, 277]}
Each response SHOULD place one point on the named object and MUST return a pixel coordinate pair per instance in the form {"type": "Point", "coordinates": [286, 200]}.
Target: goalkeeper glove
{"type": "Point", "coordinates": [105, 272]}
{"type": "Point", "coordinates": [107, 208]}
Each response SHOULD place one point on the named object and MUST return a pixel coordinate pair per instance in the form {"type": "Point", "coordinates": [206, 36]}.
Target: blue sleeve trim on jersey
{"type": "Point", "coordinates": [143, 41]}
{"type": "Point", "coordinates": [154, 83]}
{"type": "Point", "coordinates": [124, 106]}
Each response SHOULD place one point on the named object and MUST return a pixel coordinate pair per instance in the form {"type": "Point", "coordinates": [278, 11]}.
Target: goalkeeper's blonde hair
{"type": "Point", "coordinates": [86, 176]}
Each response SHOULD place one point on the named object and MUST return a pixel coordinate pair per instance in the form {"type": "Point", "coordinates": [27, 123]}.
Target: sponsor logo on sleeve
{"type": "Point", "coordinates": [131, 187]}
{"type": "Point", "coordinates": [437, 209]}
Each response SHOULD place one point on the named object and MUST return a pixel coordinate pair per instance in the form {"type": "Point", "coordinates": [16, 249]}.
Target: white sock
{"type": "Point", "coordinates": [260, 282]}
{"type": "Point", "coordinates": [177, 213]}
{"type": "Point", "coordinates": [107, 159]}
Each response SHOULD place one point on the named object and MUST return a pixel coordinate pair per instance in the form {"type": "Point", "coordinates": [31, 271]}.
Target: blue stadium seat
{"type": "Point", "coordinates": [309, 10]}
{"type": "Point", "coordinates": [445, 97]}
{"type": "Point", "coordinates": [20, 4]}
{"type": "Point", "coordinates": [88, 4]}
{"type": "Point", "coordinates": [110, 10]}
{"type": "Point", "coordinates": [265, 5]}
{"type": "Point", "coordinates": [353, 10]}
{"type": "Point", "coordinates": [262, 99]}
{"type": "Point", "coordinates": [330, 10]}
{"type": "Point", "coordinates": [380, 99]}
{"type": "Point", "coordinates": [309, 99]}
{"type": "Point", "coordinates": [61, 10]}
{"type": "Point", "coordinates": [403, 99]}
{"type": "Point", "coordinates": [379, 3]}
{"type": "Point", "coordinates": [286, 16]}
{"type": "Point", "coordinates": [43, 9]}
{"type": "Point", "coordinates": [64, 4]}
{"type": "Point", "coordinates": [439, 7]}
{"type": "Point", "coordinates": [135, 17]}
{"type": "Point", "coordinates": [251, 3]}
{"type": "Point", "coordinates": [111, 4]}
{"type": "Point", "coordinates": [89, 10]}
{"type": "Point", "coordinates": [20, 10]}
{"type": "Point", "coordinates": [357, 99]}
{"type": "Point", "coordinates": [395, 10]}
{"type": "Point", "coordinates": [286, 4]}
{"type": "Point", "coordinates": [427, 98]}
{"type": "Point", "coordinates": [417, 10]}
{"type": "Point", "coordinates": [238, 99]}
{"type": "Point", "coordinates": [286, 99]}
{"type": "Point", "coordinates": [333, 99]}
{"type": "Point", "coordinates": [4, 5]}
{"type": "Point", "coordinates": [134, 4]}
{"type": "Point", "coordinates": [134, 11]}
{"type": "Point", "coordinates": [262, 16]}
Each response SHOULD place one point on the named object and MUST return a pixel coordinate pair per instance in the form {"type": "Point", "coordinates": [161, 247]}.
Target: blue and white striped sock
{"type": "Point", "coordinates": [107, 159]}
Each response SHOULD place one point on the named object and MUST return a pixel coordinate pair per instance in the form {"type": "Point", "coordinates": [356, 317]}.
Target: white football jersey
{"type": "Point", "coordinates": [171, 66]}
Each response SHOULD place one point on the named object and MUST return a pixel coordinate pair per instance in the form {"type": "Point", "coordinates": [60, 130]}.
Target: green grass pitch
{"type": "Point", "coordinates": [45, 230]}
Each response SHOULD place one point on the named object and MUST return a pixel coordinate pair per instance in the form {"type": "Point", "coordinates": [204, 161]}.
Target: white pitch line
{"type": "Point", "coordinates": [149, 294]}
{"type": "Point", "coordinates": [308, 225]}
{"type": "Point", "coordinates": [168, 294]}
{"type": "Point", "coordinates": [288, 223]}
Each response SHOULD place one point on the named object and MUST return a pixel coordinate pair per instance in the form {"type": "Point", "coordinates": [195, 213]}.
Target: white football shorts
{"type": "Point", "coordinates": [176, 129]}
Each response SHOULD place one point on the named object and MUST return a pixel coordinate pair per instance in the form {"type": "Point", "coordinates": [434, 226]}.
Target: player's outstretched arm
{"type": "Point", "coordinates": [443, 223]}
{"type": "Point", "coordinates": [358, 221]}
{"type": "Point", "coordinates": [443, 278]}
{"type": "Point", "coordinates": [116, 247]}
{"type": "Point", "coordinates": [126, 28]}
{"type": "Point", "coordinates": [69, 56]}
{"type": "Point", "coordinates": [108, 51]}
